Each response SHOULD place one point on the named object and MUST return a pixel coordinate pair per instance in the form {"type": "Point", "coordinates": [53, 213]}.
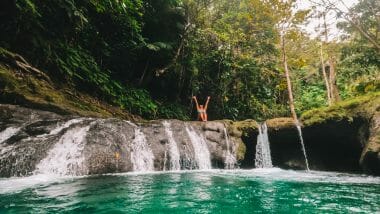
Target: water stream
{"type": "Point", "coordinates": [263, 157]}
{"type": "Point", "coordinates": [201, 152]}
{"type": "Point", "coordinates": [8, 133]}
{"type": "Point", "coordinates": [142, 157]}
{"type": "Point", "coordinates": [230, 161]}
{"type": "Point", "coordinates": [174, 156]}
{"type": "Point", "coordinates": [66, 157]}
{"type": "Point", "coordinates": [303, 146]}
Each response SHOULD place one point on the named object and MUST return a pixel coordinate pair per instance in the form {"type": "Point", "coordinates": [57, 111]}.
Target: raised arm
{"type": "Point", "coordinates": [206, 105]}
{"type": "Point", "coordinates": [196, 101]}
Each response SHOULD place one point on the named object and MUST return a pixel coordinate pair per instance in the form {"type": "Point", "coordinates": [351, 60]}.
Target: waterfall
{"type": "Point", "coordinates": [263, 156]}
{"type": "Point", "coordinates": [165, 160]}
{"type": "Point", "coordinates": [66, 157]}
{"type": "Point", "coordinates": [65, 125]}
{"type": "Point", "coordinates": [141, 155]}
{"type": "Point", "coordinates": [303, 145]}
{"type": "Point", "coordinates": [173, 148]}
{"type": "Point", "coordinates": [201, 152]}
{"type": "Point", "coordinates": [5, 135]}
{"type": "Point", "coordinates": [230, 161]}
{"type": "Point", "coordinates": [187, 160]}
{"type": "Point", "coordinates": [8, 133]}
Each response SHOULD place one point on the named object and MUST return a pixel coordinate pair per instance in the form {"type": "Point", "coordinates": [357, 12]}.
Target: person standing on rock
{"type": "Point", "coordinates": [202, 115]}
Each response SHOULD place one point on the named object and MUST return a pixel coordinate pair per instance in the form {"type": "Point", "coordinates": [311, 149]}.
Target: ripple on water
{"type": "Point", "coordinates": [227, 191]}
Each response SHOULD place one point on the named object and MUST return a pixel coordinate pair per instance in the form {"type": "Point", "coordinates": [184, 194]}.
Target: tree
{"type": "Point", "coordinates": [330, 80]}
{"type": "Point", "coordinates": [360, 59]}
{"type": "Point", "coordinates": [288, 21]}
{"type": "Point", "coordinates": [358, 17]}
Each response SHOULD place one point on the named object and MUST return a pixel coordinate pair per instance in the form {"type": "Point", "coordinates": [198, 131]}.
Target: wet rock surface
{"type": "Point", "coordinates": [29, 137]}
{"type": "Point", "coordinates": [370, 157]}
{"type": "Point", "coordinates": [330, 146]}
{"type": "Point", "coordinates": [96, 146]}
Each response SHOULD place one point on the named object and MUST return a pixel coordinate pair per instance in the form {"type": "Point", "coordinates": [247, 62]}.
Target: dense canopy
{"type": "Point", "coordinates": [150, 57]}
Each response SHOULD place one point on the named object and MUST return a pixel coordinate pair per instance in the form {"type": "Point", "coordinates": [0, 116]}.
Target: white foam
{"type": "Point", "coordinates": [230, 161]}
{"type": "Point", "coordinates": [8, 133]}
{"type": "Point", "coordinates": [201, 152]}
{"type": "Point", "coordinates": [142, 157]}
{"type": "Point", "coordinates": [173, 148]}
{"type": "Point", "coordinates": [263, 156]}
{"type": "Point", "coordinates": [66, 157]}
{"type": "Point", "coordinates": [65, 125]}
{"type": "Point", "coordinates": [16, 184]}
{"type": "Point", "coordinates": [277, 174]}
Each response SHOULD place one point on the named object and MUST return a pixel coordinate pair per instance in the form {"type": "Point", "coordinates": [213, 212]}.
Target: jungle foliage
{"type": "Point", "coordinates": [150, 57]}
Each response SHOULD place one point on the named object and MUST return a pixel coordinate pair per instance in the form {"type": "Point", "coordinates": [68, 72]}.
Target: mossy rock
{"type": "Point", "coordinates": [363, 106]}
{"type": "Point", "coordinates": [240, 151]}
{"type": "Point", "coordinates": [280, 123]}
{"type": "Point", "coordinates": [245, 126]}
{"type": "Point", "coordinates": [25, 89]}
{"type": "Point", "coordinates": [370, 158]}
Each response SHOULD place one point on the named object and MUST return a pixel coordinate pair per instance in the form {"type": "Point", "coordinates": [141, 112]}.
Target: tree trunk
{"type": "Point", "coordinates": [325, 78]}
{"type": "Point", "coordinates": [289, 83]}
{"type": "Point", "coordinates": [334, 93]}
{"type": "Point", "coordinates": [333, 85]}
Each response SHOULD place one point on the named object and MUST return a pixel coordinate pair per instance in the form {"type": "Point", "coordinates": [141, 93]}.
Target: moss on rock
{"type": "Point", "coordinates": [280, 123]}
{"type": "Point", "coordinates": [25, 89]}
{"type": "Point", "coordinates": [240, 151]}
{"type": "Point", "coordinates": [363, 111]}
{"type": "Point", "coordinates": [245, 126]}
{"type": "Point", "coordinates": [363, 106]}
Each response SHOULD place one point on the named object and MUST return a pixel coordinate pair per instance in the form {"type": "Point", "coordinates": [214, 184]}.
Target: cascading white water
{"type": "Point", "coordinates": [201, 152]}
{"type": "Point", "coordinates": [165, 160]}
{"type": "Point", "coordinates": [187, 160]}
{"type": "Point", "coordinates": [263, 157]}
{"type": "Point", "coordinates": [8, 132]}
{"type": "Point", "coordinates": [65, 125]}
{"type": "Point", "coordinates": [142, 157]}
{"type": "Point", "coordinates": [230, 160]}
{"type": "Point", "coordinates": [5, 135]}
{"type": "Point", "coordinates": [173, 148]}
{"type": "Point", "coordinates": [66, 157]}
{"type": "Point", "coordinates": [303, 145]}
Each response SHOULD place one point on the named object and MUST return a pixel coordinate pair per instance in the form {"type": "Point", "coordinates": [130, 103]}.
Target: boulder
{"type": "Point", "coordinates": [33, 141]}
{"type": "Point", "coordinates": [370, 158]}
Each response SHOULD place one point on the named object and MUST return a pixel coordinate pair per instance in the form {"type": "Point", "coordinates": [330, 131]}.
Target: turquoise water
{"type": "Point", "coordinates": [215, 191]}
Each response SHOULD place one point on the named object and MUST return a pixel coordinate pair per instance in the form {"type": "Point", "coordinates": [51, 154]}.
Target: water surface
{"type": "Point", "coordinates": [214, 191]}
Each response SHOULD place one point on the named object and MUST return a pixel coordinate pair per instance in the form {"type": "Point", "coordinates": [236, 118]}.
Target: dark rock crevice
{"type": "Point", "coordinates": [330, 146]}
{"type": "Point", "coordinates": [250, 141]}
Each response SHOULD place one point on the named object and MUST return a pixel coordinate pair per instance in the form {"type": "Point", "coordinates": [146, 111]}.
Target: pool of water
{"type": "Point", "coordinates": [215, 191]}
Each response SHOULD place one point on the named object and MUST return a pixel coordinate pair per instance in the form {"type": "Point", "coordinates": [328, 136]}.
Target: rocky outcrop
{"type": "Point", "coordinates": [370, 157]}
{"type": "Point", "coordinates": [345, 132]}
{"type": "Point", "coordinates": [25, 85]}
{"type": "Point", "coordinates": [247, 130]}
{"type": "Point", "coordinates": [34, 141]}
{"type": "Point", "coordinates": [344, 138]}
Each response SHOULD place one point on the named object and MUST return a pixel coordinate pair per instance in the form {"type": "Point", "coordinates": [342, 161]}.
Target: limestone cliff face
{"type": "Point", "coordinates": [32, 141]}
{"type": "Point", "coordinates": [342, 138]}
{"type": "Point", "coordinates": [370, 157]}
